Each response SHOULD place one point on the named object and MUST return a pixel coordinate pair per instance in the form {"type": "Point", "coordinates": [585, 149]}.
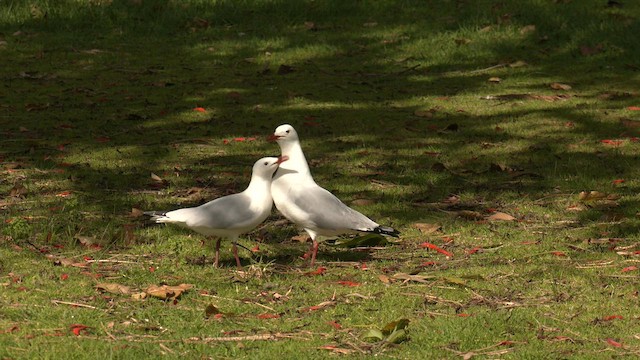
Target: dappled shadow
{"type": "Point", "coordinates": [90, 84]}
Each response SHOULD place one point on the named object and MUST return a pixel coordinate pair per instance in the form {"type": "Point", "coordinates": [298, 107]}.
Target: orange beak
{"type": "Point", "coordinates": [273, 137]}
{"type": "Point", "coordinates": [282, 159]}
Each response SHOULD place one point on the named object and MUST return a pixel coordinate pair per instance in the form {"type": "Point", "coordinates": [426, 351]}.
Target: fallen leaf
{"type": "Point", "coordinates": [630, 268]}
{"type": "Point", "coordinates": [268, 316]}
{"type": "Point", "coordinates": [558, 253]}
{"type": "Point", "coordinates": [633, 108]}
{"type": "Point", "coordinates": [113, 288]}
{"type": "Point", "coordinates": [559, 86]}
{"type": "Point", "coordinates": [495, 79]}
{"type": "Point", "coordinates": [200, 109]}
{"type": "Point", "coordinates": [591, 50]}
{"type": "Point", "coordinates": [166, 292]}
{"type": "Point", "coordinates": [618, 181]}
{"type": "Point", "coordinates": [64, 194]}
{"type": "Point", "coordinates": [500, 216]}
{"type": "Point", "coordinates": [591, 196]}
{"type": "Point", "coordinates": [348, 283]}
{"type": "Point", "coordinates": [527, 29]}
{"type": "Point", "coordinates": [470, 215]}
{"type": "Point", "coordinates": [362, 202]}
{"type": "Point", "coordinates": [612, 317]}
{"type": "Point", "coordinates": [211, 310]}
{"type": "Point", "coordinates": [427, 228]}
{"type": "Point", "coordinates": [320, 306]}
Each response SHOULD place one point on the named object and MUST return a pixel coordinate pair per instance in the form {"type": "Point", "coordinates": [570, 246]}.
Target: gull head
{"type": "Point", "coordinates": [267, 166]}
{"type": "Point", "coordinates": [284, 133]}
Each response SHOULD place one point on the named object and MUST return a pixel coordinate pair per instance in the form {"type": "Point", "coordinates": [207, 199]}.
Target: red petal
{"type": "Point", "coordinates": [239, 139]}
{"type": "Point", "coordinates": [78, 328]}
{"type": "Point", "coordinates": [474, 250]}
{"type": "Point", "coordinates": [612, 317]}
{"type": "Point", "coordinates": [348, 283]}
{"type": "Point", "coordinates": [614, 343]}
{"type": "Point", "coordinates": [63, 194]}
{"type": "Point", "coordinates": [436, 248]}
{"type": "Point", "coordinates": [634, 108]}
{"type": "Point", "coordinates": [618, 181]}
{"type": "Point", "coordinates": [64, 277]}
{"type": "Point", "coordinates": [334, 324]}
{"type": "Point", "coordinates": [630, 268]}
{"type": "Point", "coordinates": [268, 316]}
{"type": "Point", "coordinates": [464, 315]}
{"type": "Point", "coordinates": [200, 109]}
{"type": "Point", "coordinates": [558, 253]}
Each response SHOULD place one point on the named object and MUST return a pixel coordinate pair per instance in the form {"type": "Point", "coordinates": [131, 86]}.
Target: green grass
{"type": "Point", "coordinates": [97, 95]}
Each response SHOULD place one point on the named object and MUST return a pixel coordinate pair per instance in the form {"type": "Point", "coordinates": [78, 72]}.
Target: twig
{"type": "Point", "coordinates": [59, 302]}
{"type": "Point", "coordinates": [242, 301]}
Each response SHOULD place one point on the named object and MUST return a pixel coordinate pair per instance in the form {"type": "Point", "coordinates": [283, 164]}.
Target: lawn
{"type": "Point", "coordinates": [501, 138]}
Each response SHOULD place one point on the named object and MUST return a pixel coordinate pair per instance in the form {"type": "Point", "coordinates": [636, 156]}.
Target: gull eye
{"type": "Point", "coordinates": [288, 131]}
{"type": "Point", "coordinates": [266, 163]}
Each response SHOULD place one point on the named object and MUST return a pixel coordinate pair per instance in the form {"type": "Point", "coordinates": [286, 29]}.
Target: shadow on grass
{"type": "Point", "coordinates": [120, 80]}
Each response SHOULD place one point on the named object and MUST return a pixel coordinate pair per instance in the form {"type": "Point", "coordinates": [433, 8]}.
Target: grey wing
{"type": "Point", "coordinates": [228, 212]}
{"type": "Point", "coordinates": [326, 211]}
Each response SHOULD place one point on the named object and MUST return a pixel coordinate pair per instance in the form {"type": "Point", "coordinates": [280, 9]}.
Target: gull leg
{"type": "Point", "coordinates": [235, 254]}
{"type": "Point", "coordinates": [216, 258]}
{"type": "Point", "coordinates": [314, 252]}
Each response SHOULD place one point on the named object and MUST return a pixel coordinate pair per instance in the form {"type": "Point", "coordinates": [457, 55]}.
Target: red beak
{"type": "Point", "coordinates": [273, 137]}
{"type": "Point", "coordinates": [282, 159]}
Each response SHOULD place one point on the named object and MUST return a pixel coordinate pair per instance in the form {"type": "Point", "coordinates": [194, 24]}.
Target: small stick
{"type": "Point", "coordinates": [59, 302]}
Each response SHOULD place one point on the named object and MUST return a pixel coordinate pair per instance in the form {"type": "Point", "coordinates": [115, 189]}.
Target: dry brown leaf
{"type": "Point", "coordinates": [591, 195]}
{"type": "Point", "coordinates": [18, 190]}
{"type": "Point", "coordinates": [470, 215]}
{"type": "Point", "coordinates": [629, 123]}
{"type": "Point", "coordinates": [139, 296]}
{"type": "Point", "coordinates": [167, 292]}
{"type": "Point", "coordinates": [114, 288]}
{"type": "Point", "coordinates": [559, 86]}
{"type": "Point", "coordinates": [495, 79]}
{"type": "Point", "coordinates": [425, 113]}
{"type": "Point", "coordinates": [135, 212]}
{"type": "Point", "coordinates": [384, 278]}
{"type": "Point", "coordinates": [156, 178]}
{"type": "Point", "coordinates": [527, 29]}
{"type": "Point", "coordinates": [427, 228]}
{"type": "Point", "coordinates": [500, 216]}
{"type": "Point", "coordinates": [362, 202]}
{"type": "Point", "coordinates": [303, 238]}
{"type": "Point", "coordinates": [518, 64]}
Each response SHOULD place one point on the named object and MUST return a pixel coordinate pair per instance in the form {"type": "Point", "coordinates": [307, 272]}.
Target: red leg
{"type": "Point", "coordinates": [216, 257]}
{"type": "Point", "coordinates": [314, 252]}
{"type": "Point", "coordinates": [235, 254]}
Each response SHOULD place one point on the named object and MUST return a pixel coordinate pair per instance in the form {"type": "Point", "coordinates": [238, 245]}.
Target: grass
{"type": "Point", "coordinates": [389, 99]}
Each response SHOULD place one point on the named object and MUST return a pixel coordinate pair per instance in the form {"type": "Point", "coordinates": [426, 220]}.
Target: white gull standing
{"type": "Point", "coordinates": [301, 200]}
{"type": "Point", "coordinates": [232, 215]}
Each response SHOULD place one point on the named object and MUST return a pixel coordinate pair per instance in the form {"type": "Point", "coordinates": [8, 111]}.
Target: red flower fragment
{"type": "Point", "coordinates": [630, 268]}
{"type": "Point", "coordinates": [200, 109]}
{"type": "Point", "coordinates": [348, 283]}
{"type": "Point", "coordinates": [431, 246]}
{"type": "Point", "coordinates": [612, 317]}
{"type": "Point", "coordinates": [474, 250]}
{"type": "Point", "coordinates": [335, 325]}
{"type": "Point", "coordinates": [611, 142]}
{"type": "Point", "coordinates": [614, 343]}
{"type": "Point", "coordinates": [558, 253]}
{"type": "Point", "coordinates": [77, 329]}
{"type": "Point", "coordinates": [319, 271]}
{"type": "Point", "coordinates": [268, 316]}
{"type": "Point", "coordinates": [634, 108]}
{"type": "Point", "coordinates": [618, 181]}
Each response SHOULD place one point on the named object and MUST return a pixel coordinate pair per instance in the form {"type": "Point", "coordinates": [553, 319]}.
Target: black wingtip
{"type": "Point", "coordinates": [385, 230]}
